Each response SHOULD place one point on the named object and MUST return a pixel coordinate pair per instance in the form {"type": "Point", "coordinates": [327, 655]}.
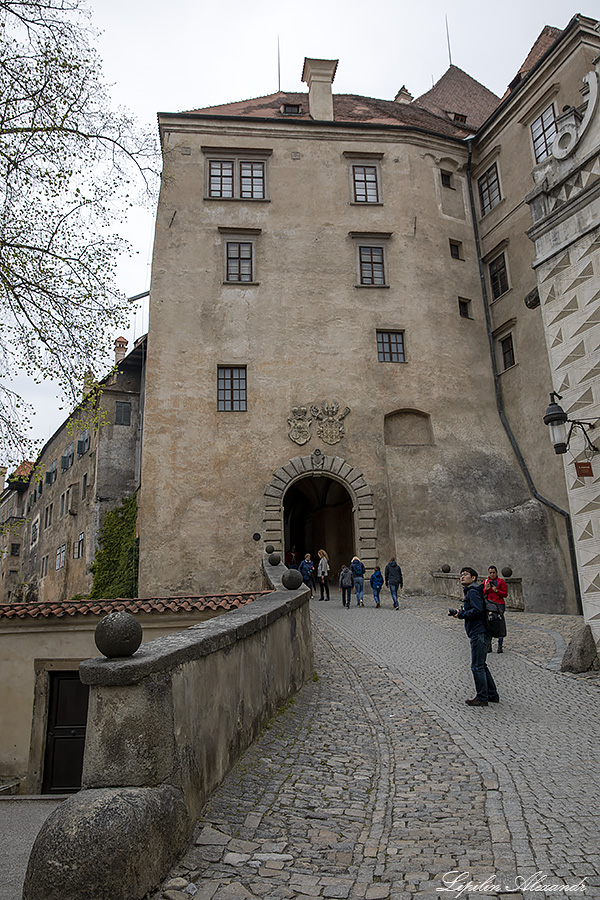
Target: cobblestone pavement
{"type": "Point", "coordinates": [376, 780]}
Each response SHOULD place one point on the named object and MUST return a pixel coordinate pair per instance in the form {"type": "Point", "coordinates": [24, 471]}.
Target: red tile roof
{"type": "Point", "coordinates": [543, 43]}
{"type": "Point", "coordinates": [350, 108]}
{"type": "Point", "coordinates": [34, 610]}
{"type": "Point", "coordinates": [456, 92]}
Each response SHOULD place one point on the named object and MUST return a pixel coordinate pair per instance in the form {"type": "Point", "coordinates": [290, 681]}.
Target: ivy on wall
{"type": "Point", "coordinates": [115, 567]}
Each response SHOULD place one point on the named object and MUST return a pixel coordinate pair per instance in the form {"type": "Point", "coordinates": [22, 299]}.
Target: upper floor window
{"type": "Point", "coordinates": [543, 132]}
{"type": "Point", "coordinates": [390, 346]}
{"type": "Point", "coordinates": [464, 308]}
{"type": "Point", "coordinates": [364, 179]}
{"type": "Point", "coordinates": [456, 249]}
{"type": "Point", "coordinates": [231, 388]}
{"type": "Point", "coordinates": [371, 265]}
{"type": "Point", "coordinates": [66, 460]}
{"type": "Point", "coordinates": [51, 473]}
{"type": "Point", "coordinates": [240, 261]}
{"type": "Point", "coordinates": [291, 109]}
{"type": "Point", "coordinates": [83, 444]}
{"type": "Point", "coordinates": [60, 556]}
{"type": "Point", "coordinates": [498, 276]}
{"type": "Point", "coordinates": [508, 351]}
{"type": "Point", "coordinates": [15, 549]}
{"type": "Point", "coordinates": [122, 412]}
{"type": "Point", "coordinates": [236, 174]}
{"type": "Point", "coordinates": [78, 547]}
{"type": "Point", "coordinates": [48, 515]}
{"type": "Point", "coordinates": [446, 179]}
{"type": "Point", "coordinates": [35, 530]}
{"type": "Point", "coordinates": [489, 189]}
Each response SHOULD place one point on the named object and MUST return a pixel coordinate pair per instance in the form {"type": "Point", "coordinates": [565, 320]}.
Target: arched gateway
{"type": "Point", "coordinates": [286, 497]}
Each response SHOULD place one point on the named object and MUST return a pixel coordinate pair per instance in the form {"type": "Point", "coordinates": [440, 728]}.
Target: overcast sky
{"type": "Point", "coordinates": [185, 55]}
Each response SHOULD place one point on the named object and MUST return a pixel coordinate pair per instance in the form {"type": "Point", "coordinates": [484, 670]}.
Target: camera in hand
{"type": "Point", "coordinates": [452, 612]}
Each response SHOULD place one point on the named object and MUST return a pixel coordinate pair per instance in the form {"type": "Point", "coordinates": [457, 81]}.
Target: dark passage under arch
{"type": "Point", "coordinates": [317, 512]}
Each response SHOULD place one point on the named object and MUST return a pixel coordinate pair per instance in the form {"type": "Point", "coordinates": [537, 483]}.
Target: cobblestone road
{"type": "Point", "coordinates": [376, 780]}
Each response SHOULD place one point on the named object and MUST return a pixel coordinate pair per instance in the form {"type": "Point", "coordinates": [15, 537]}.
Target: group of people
{"type": "Point", "coordinates": [351, 577]}
{"type": "Point", "coordinates": [474, 612]}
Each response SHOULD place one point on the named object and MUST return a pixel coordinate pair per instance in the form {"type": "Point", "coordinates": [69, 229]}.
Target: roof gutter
{"type": "Point", "coordinates": [500, 405]}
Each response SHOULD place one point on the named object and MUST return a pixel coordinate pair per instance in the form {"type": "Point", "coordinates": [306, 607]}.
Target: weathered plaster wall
{"type": "Point", "coordinates": [307, 333]}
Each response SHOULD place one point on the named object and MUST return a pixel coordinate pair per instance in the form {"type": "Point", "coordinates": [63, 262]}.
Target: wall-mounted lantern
{"type": "Point", "coordinates": [557, 420]}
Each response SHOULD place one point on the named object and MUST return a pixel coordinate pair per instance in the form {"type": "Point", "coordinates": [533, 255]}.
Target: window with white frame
{"type": "Point", "coordinates": [365, 184]}
{"type": "Point", "coordinates": [236, 174]}
{"type": "Point", "coordinates": [78, 547]}
{"type": "Point", "coordinates": [543, 132]}
{"type": "Point", "coordinates": [231, 388]}
{"type": "Point", "coordinates": [61, 553]}
{"type": "Point", "coordinates": [489, 189]}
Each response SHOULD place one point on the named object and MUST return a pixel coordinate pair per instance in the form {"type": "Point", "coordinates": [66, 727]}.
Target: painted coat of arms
{"type": "Point", "coordinates": [330, 428]}
{"type": "Point", "coordinates": [299, 425]}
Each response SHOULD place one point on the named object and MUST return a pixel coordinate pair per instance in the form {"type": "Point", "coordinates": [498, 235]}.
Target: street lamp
{"type": "Point", "coordinates": [556, 419]}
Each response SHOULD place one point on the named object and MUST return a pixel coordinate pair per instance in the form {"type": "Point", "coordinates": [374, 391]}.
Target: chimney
{"type": "Point", "coordinates": [403, 96]}
{"type": "Point", "coordinates": [318, 74]}
{"type": "Point", "coordinates": [120, 349]}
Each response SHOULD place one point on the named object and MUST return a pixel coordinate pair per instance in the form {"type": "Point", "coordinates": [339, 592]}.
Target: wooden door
{"type": "Point", "coordinates": [65, 739]}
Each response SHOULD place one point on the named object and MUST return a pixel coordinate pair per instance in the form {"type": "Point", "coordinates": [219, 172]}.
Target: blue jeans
{"type": "Point", "coordinates": [359, 587]}
{"type": "Point", "coordinates": [376, 592]}
{"type": "Point", "coordinates": [481, 645]}
{"type": "Point", "coordinates": [394, 592]}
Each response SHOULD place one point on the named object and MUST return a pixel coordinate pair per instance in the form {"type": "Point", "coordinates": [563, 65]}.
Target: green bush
{"type": "Point", "coordinates": [115, 567]}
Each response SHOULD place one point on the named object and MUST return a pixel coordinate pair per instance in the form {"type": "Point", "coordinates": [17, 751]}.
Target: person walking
{"type": "Point", "coordinates": [376, 581]}
{"type": "Point", "coordinates": [307, 570]}
{"type": "Point", "coordinates": [496, 590]}
{"type": "Point", "coordinates": [394, 580]}
{"type": "Point", "coordinates": [346, 583]}
{"type": "Point", "coordinates": [358, 570]}
{"type": "Point", "coordinates": [322, 573]}
{"type": "Point", "coordinates": [473, 612]}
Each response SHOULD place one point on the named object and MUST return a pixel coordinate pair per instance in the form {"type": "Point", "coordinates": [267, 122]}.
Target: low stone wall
{"type": "Point", "coordinates": [164, 727]}
{"type": "Point", "coordinates": [448, 585]}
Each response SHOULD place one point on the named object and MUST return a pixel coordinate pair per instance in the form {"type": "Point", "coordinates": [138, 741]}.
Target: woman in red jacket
{"type": "Point", "coordinates": [496, 589]}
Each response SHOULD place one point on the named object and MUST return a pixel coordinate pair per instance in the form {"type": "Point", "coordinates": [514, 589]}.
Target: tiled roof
{"type": "Point", "coordinates": [350, 108]}
{"type": "Point", "coordinates": [545, 40]}
{"type": "Point", "coordinates": [34, 610]}
{"type": "Point", "coordinates": [456, 92]}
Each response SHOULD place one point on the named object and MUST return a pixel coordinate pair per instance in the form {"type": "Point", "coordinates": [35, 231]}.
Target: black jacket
{"type": "Point", "coordinates": [393, 574]}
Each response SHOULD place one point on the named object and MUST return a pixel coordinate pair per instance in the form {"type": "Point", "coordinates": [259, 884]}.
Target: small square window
{"type": "Point", "coordinates": [122, 412]}
{"type": "Point", "coordinates": [456, 250]}
{"type": "Point", "coordinates": [460, 117]}
{"type": "Point", "coordinates": [365, 184]}
{"type": "Point", "coordinates": [231, 388]}
{"type": "Point", "coordinates": [464, 308]}
{"type": "Point", "coordinates": [390, 346]}
{"type": "Point", "coordinates": [508, 352]}
{"type": "Point", "coordinates": [498, 276]}
{"type": "Point", "coordinates": [489, 189]}
{"type": "Point", "coordinates": [446, 179]}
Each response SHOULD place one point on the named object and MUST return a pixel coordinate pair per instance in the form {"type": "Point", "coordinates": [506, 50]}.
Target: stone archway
{"type": "Point", "coordinates": [335, 468]}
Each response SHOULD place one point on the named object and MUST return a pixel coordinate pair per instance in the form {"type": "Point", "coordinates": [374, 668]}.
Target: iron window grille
{"type": "Point", "coordinates": [455, 247]}
{"type": "Point", "coordinates": [446, 179]}
{"type": "Point", "coordinates": [489, 189]}
{"type": "Point", "coordinates": [498, 276]}
{"type": "Point", "coordinates": [365, 184]}
{"type": "Point", "coordinates": [372, 268]}
{"type": "Point", "coordinates": [543, 132]}
{"type": "Point", "coordinates": [464, 308]}
{"type": "Point", "coordinates": [231, 388]}
{"type": "Point", "coordinates": [390, 346]}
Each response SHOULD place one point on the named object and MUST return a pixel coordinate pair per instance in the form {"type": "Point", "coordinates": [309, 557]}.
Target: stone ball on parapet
{"type": "Point", "coordinates": [269, 548]}
{"type": "Point", "coordinates": [274, 559]}
{"type": "Point", "coordinates": [445, 568]}
{"type": "Point", "coordinates": [292, 579]}
{"type": "Point", "coordinates": [506, 572]}
{"type": "Point", "coordinates": [118, 634]}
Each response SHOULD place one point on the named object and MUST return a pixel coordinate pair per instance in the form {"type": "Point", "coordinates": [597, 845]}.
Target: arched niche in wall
{"type": "Point", "coordinates": [408, 428]}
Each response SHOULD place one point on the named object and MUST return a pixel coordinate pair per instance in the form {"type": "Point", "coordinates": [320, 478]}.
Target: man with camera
{"type": "Point", "coordinates": [473, 612]}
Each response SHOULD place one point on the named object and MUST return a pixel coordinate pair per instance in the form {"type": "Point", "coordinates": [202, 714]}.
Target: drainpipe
{"type": "Point", "coordinates": [498, 392]}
